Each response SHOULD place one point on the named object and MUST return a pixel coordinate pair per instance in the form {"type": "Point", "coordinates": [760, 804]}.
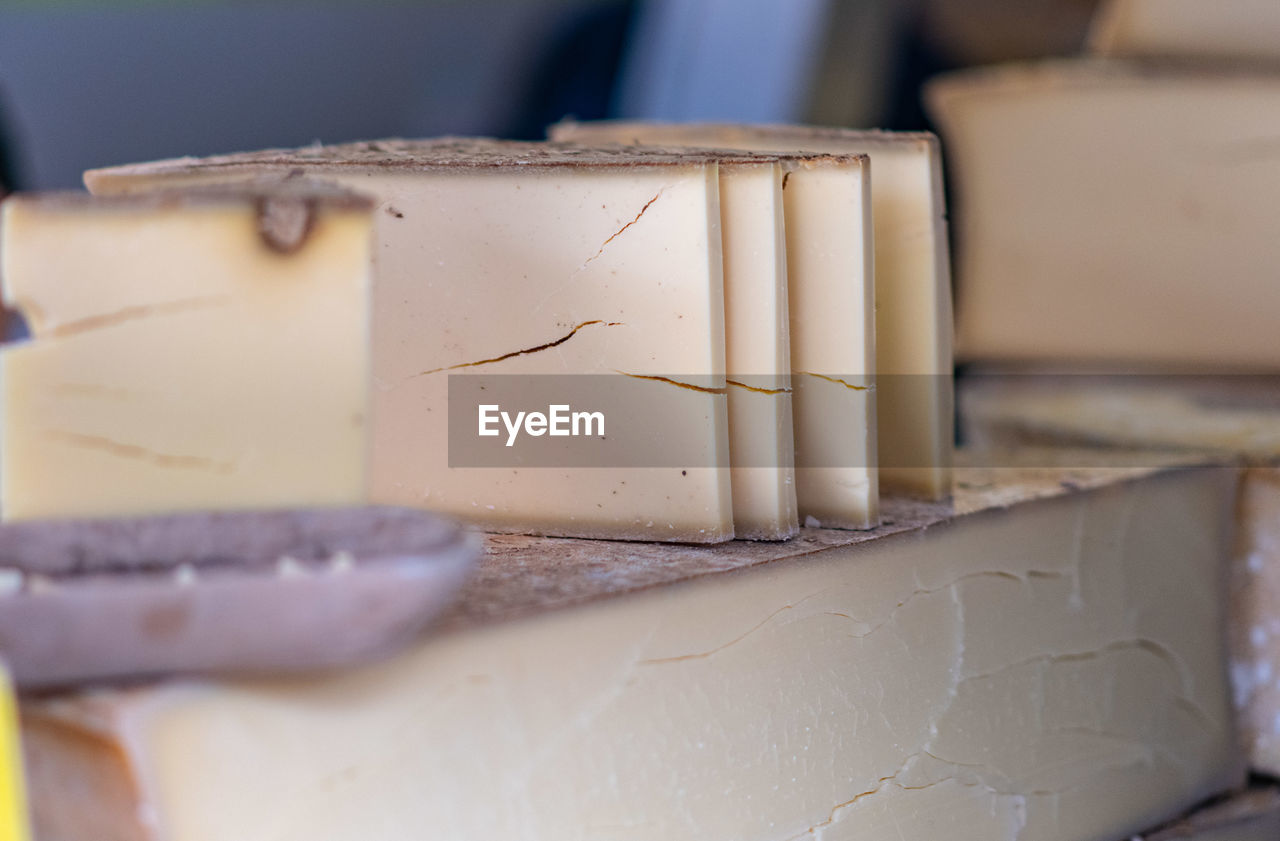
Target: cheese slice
{"type": "Point", "coordinates": [189, 350]}
{"type": "Point", "coordinates": [534, 266]}
{"type": "Point", "coordinates": [1041, 662]}
{"type": "Point", "coordinates": [1055, 166]}
{"type": "Point", "coordinates": [1253, 815]}
{"type": "Point", "coordinates": [1248, 29]}
{"type": "Point", "coordinates": [1229, 419]}
{"type": "Point", "coordinates": [912, 277]}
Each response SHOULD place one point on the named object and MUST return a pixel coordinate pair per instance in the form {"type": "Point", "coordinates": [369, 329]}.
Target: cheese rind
{"type": "Point", "coordinates": [511, 258]}
{"type": "Point", "coordinates": [1248, 29]}
{"type": "Point", "coordinates": [1028, 666]}
{"type": "Point", "coordinates": [181, 358]}
{"type": "Point", "coordinates": [912, 270]}
{"type": "Point", "coordinates": [1054, 163]}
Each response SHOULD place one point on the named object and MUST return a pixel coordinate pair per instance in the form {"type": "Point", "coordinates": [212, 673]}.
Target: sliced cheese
{"type": "Point", "coordinates": [1247, 29]}
{"type": "Point", "coordinates": [518, 259]}
{"type": "Point", "coordinates": [1043, 662]}
{"type": "Point", "coordinates": [1229, 419]}
{"type": "Point", "coordinates": [189, 351]}
{"type": "Point", "coordinates": [15, 824]}
{"type": "Point", "coordinates": [912, 277]}
{"type": "Point", "coordinates": [1099, 223]}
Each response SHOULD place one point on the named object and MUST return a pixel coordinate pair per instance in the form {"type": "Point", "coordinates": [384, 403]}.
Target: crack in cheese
{"type": "Point", "coordinates": [912, 276]}
{"type": "Point", "coordinates": [517, 258]}
{"type": "Point", "coordinates": [1042, 664]}
{"type": "Point", "coordinates": [180, 360]}
{"type": "Point", "coordinates": [1057, 163]}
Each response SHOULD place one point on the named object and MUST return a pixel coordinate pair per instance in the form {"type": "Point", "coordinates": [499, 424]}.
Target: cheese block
{"type": "Point", "coordinates": [1248, 29]}
{"type": "Point", "coordinates": [912, 277]}
{"type": "Point", "coordinates": [14, 821]}
{"type": "Point", "coordinates": [190, 350]}
{"type": "Point", "coordinates": [1040, 661]}
{"type": "Point", "coordinates": [1253, 815]}
{"type": "Point", "coordinates": [1228, 419]}
{"type": "Point", "coordinates": [1098, 224]}
{"type": "Point", "coordinates": [532, 266]}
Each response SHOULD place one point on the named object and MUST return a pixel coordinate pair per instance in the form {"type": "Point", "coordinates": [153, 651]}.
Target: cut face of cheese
{"type": "Point", "coordinates": [1247, 29]}
{"type": "Point", "coordinates": [758, 351]}
{"type": "Point", "coordinates": [189, 351]}
{"type": "Point", "coordinates": [518, 259]}
{"type": "Point", "coordinates": [1039, 663]}
{"type": "Point", "coordinates": [1229, 419]}
{"type": "Point", "coordinates": [912, 277]}
{"type": "Point", "coordinates": [1056, 165]}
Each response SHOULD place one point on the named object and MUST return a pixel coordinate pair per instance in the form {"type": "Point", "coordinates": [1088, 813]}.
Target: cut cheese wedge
{"type": "Point", "coordinates": [1042, 662]}
{"type": "Point", "coordinates": [529, 263]}
{"type": "Point", "coordinates": [1232, 29]}
{"type": "Point", "coordinates": [912, 276]}
{"type": "Point", "coordinates": [203, 349]}
{"type": "Point", "coordinates": [1100, 224]}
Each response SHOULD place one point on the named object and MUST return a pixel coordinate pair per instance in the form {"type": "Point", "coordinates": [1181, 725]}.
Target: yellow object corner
{"type": "Point", "coordinates": [13, 797]}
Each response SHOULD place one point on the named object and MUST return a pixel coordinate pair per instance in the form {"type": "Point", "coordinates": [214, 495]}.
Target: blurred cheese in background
{"type": "Point", "coordinates": [912, 276]}
{"type": "Point", "coordinates": [173, 337]}
{"type": "Point", "coordinates": [1231, 29]}
{"type": "Point", "coordinates": [1253, 815]}
{"type": "Point", "coordinates": [1115, 214]}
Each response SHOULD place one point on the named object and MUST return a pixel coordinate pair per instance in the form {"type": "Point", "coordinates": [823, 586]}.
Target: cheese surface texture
{"type": "Point", "coordinates": [1230, 419]}
{"type": "Point", "coordinates": [1248, 29]}
{"type": "Point", "coordinates": [513, 259]}
{"type": "Point", "coordinates": [1042, 664]}
{"type": "Point", "coordinates": [188, 352]}
{"type": "Point", "coordinates": [912, 271]}
{"type": "Point", "coordinates": [1055, 166]}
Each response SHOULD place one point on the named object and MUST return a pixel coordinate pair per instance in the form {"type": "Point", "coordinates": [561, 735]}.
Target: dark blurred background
{"type": "Point", "coordinates": [87, 83]}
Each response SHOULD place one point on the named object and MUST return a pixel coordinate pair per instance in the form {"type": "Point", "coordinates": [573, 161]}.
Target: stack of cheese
{"type": "Point", "coordinates": [700, 281]}
{"type": "Point", "coordinates": [1121, 208]}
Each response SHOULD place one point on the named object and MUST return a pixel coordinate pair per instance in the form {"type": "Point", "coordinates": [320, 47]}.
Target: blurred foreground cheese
{"type": "Point", "coordinates": [190, 350]}
{"type": "Point", "coordinates": [520, 259]}
{"type": "Point", "coordinates": [1042, 663]}
{"type": "Point", "coordinates": [1225, 418]}
{"type": "Point", "coordinates": [1114, 213]}
{"type": "Point", "coordinates": [912, 276]}
{"type": "Point", "coordinates": [1247, 29]}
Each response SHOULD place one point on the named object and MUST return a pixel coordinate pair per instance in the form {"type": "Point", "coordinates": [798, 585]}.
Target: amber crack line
{"type": "Point", "coordinates": [620, 231]}
{"type": "Point", "coordinates": [758, 390]}
{"type": "Point", "coordinates": [669, 381]}
{"type": "Point", "coordinates": [837, 380]}
{"type": "Point", "coordinates": [526, 351]}
{"type": "Point", "coordinates": [111, 319]}
{"type": "Point", "coordinates": [97, 442]}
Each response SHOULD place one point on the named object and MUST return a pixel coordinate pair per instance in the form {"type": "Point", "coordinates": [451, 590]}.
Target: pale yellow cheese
{"type": "Point", "coordinates": [1113, 213]}
{"type": "Point", "coordinates": [1248, 29]}
{"type": "Point", "coordinates": [516, 259]}
{"type": "Point", "coordinates": [758, 351]}
{"type": "Point", "coordinates": [183, 359]}
{"type": "Point", "coordinates": [1043, 665]}
{"type": "Point", "coordinates": [1227, 418]}
{"type": "Point", "coordinates": [912, 271]}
